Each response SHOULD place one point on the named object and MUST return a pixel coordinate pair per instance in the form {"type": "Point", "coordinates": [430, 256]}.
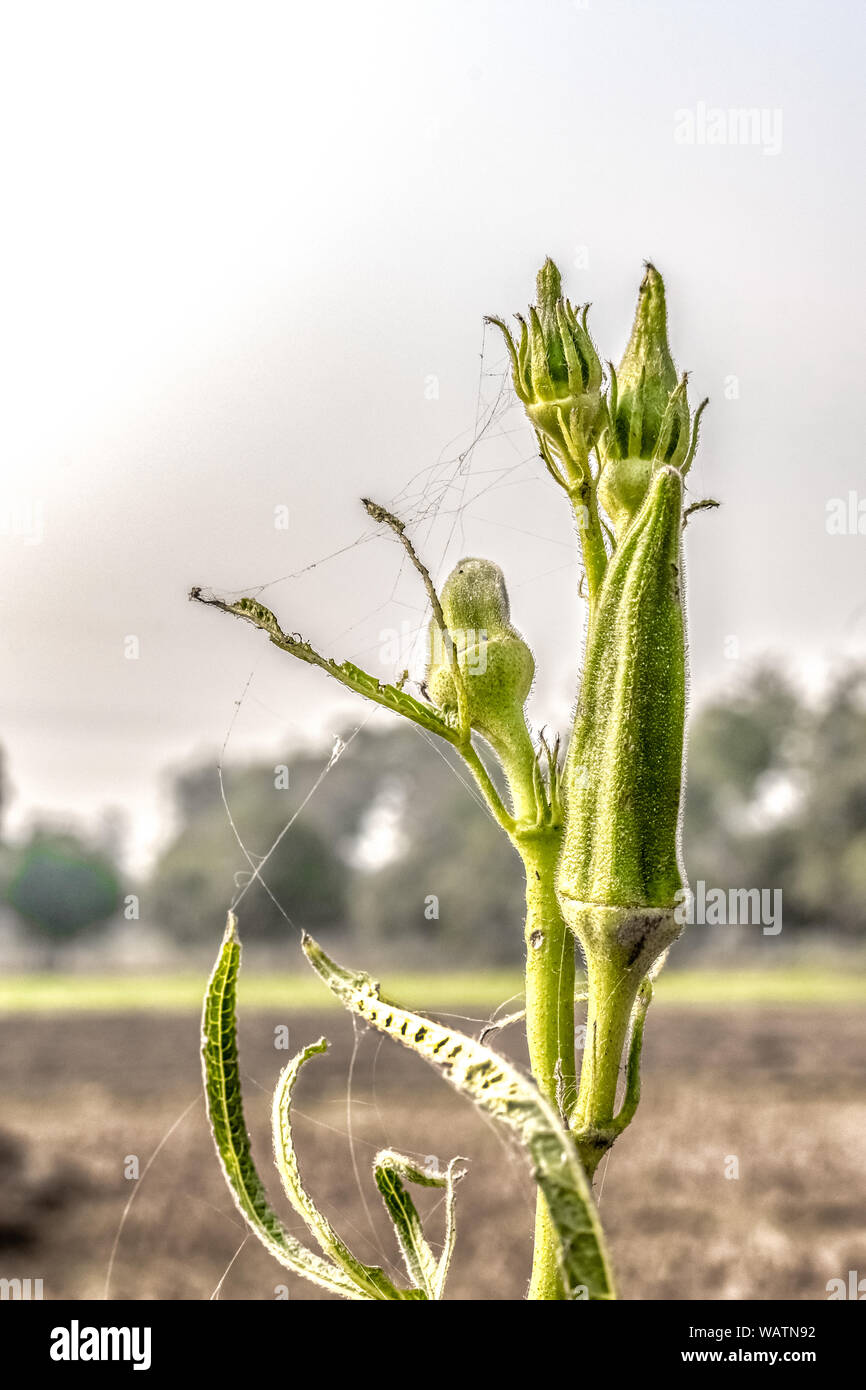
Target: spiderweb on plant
{"type": "Point", "coordinates": [445, 506]}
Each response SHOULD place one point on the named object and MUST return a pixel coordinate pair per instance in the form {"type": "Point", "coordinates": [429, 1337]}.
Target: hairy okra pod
{"type": "Point", "coordinates": [624, 771]}
{"type": "Point", "coordinates": [619, 872]}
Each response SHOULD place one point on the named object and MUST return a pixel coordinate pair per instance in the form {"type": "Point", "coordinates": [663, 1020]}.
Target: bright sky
{"type": "Point", "coordinates": [247, 244]}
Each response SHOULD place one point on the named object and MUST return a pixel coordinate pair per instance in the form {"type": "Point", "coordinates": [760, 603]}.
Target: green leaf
{"type": "Point", "coordinates": [392, 1170]}
{"type": "Point", "coordinates": [513, 1100]}
{"type": "Point", "coordinates": [371, 1280]}
{"type": "Point", "coordinates": [225, 1109]}
{"type": "Point", "coordinates": [349, 675]}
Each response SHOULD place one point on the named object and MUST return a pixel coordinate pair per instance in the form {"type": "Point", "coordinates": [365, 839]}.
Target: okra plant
{"type": "Point", "coordinates": [596, 825]}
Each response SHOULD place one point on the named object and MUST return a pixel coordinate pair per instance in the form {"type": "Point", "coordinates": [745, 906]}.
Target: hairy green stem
{"type": "Point", "coordinates": [517, 757]}
{"type": "Point", "coordinates": [549, 1025]}
{"type": "Point", "coordinates": [620, 946]}
{"type": "Point", "coordinates": [549, 981]}
{"type": "Point", "coordinates": [612, 991]}
{"type": "Point", "coordinates": [593, 550]}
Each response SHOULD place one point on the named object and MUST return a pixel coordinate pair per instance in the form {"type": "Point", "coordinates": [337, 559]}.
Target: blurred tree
{"type": "Point", "coordinates": [738, 747]}
{"type": "Point", "coordinates": [388, 826]}
{"type": "Point", "coordinates": [451, 879]}
{"type": "Point", "coordinates": [829, 864]}
{"type": "Point", "coordinates": [61, 888]}
{"type": "Point", "coordinates": [776, 797]}
{"type": "Point", "coordinates": [195, 879]}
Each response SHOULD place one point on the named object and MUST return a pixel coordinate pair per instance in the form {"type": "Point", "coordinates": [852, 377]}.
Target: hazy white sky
{"type": "Point", "coordinates": [240, 241]}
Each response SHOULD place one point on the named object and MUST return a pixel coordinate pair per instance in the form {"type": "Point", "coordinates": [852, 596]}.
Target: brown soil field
{"type": "Point", "coordinates": [776, 1093]}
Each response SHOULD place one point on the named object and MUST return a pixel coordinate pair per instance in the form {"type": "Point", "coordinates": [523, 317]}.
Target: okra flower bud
{"type": "Point", "coordinates": [496, 665]}
{"type": "Point", "coordinates": [557, 373]}
{"type": "Point", "coordinates": [649, 422]}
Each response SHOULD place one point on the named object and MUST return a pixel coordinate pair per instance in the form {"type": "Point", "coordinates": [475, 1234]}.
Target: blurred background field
{"type": "Point", "coordinates": [743, 1178]}
{"type": "Point", "coordinates": [74, 994]}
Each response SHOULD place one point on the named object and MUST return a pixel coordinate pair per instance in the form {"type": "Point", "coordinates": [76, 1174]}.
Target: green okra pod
{"type": "Point", "coordinates": [619, 871]}
{"type": "Point", "coordinates": [623, 777]}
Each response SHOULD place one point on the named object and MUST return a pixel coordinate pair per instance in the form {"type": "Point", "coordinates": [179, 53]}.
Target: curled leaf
{"type": "Point", "coordinates": [392, 1170]}
{"type": "Point", "coordinates": [369, 1279]}
{"type": "Point", "coordinates": [512, 1099]}
{"type": "Point", "coordinates": [225, 1109]}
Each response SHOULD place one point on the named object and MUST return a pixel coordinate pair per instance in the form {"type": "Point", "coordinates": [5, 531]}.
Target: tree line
{"type": "Point", "coordinates": [393, 847]}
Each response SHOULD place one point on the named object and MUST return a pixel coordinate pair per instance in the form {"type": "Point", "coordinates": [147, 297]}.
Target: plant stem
{"type": "Point", "coordinates": [612, 990]}
{"type": "Point", "coordinates": [620, 945]}
{"type": "Point", "coordinates": [549, 1023]}
{"type": "Point", "coordinates": [585, 504]}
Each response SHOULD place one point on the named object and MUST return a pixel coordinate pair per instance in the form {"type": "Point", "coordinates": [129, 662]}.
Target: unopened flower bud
{"type": "Point", "coordinates": [557, 372]}
{"type": "Point", "coordinates": [649, 419]}
{"type": "Point", "coordinates": [495, 664]}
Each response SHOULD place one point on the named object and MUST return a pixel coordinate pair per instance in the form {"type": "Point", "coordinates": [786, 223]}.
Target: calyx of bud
{"type": "Point", "coordinates": [557, 373]}
{"type": "Point", "coordinates": [649, 421]}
